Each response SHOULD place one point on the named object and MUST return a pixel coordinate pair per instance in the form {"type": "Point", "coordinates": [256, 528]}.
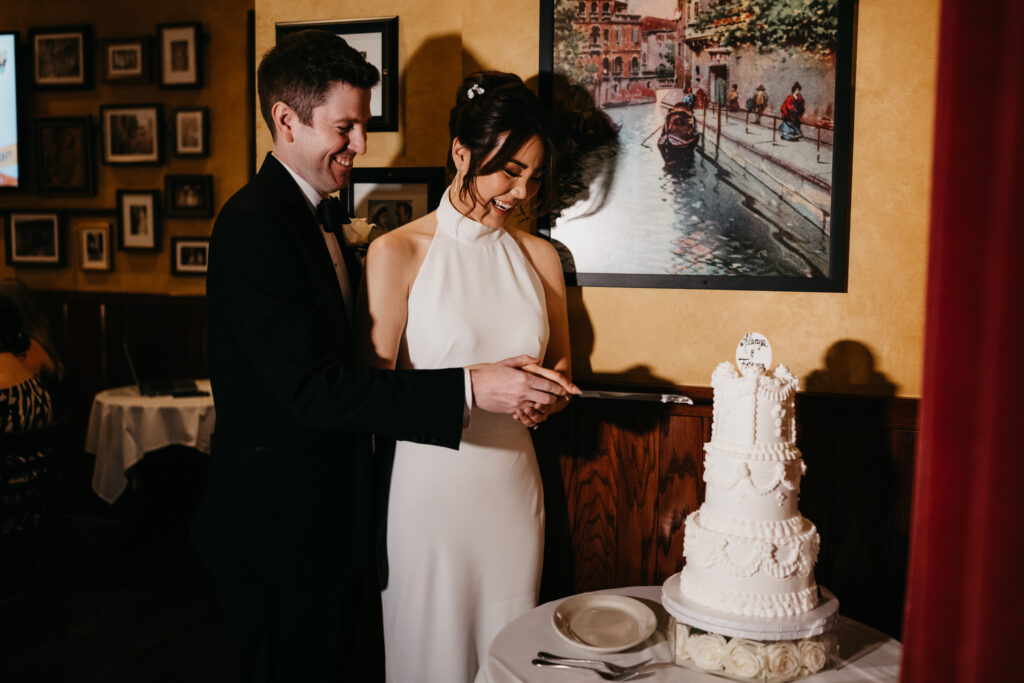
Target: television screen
{"type": "Point", "coordinates": [8, 111]}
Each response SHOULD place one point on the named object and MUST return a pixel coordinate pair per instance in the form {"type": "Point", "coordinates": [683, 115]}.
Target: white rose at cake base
{"type": "Point", "coordinates": [746, 604]}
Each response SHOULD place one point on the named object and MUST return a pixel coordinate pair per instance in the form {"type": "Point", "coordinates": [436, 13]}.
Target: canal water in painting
{"type": "Point", "coordinates": [622, 211]}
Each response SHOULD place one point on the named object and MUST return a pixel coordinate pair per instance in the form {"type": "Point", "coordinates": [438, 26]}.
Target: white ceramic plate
{"type": "Point", "coordinates": [603, 623]}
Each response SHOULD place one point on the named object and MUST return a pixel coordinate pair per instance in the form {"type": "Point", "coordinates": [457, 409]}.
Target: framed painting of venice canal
{"type": "Point", "coordinates": [703, 144]}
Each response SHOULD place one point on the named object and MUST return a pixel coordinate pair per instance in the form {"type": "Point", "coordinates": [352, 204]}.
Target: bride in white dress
{"type": "Point", "coordinates": [465, 529]}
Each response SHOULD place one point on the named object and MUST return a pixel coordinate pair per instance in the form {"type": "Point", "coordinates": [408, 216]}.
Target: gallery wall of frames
{"type": "Point", "coordinates": [132, 131]}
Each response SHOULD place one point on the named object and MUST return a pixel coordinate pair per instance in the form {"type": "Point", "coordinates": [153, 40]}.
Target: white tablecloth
{"type": "Point", "coordinates": [124, 426]}
{"type": "Point", "coordinates": [866, 654]}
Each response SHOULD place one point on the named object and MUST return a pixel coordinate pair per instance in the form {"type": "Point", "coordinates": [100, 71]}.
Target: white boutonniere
{"type": "Point", "coordinates": [359, 233]}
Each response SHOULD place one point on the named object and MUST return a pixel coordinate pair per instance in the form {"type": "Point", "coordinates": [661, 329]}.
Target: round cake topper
{"type": "Point", "coordinates": [753, 352]}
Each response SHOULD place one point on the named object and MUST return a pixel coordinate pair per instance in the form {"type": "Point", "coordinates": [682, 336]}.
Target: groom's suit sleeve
{"type": "Point", "coordinates": [264, 282]}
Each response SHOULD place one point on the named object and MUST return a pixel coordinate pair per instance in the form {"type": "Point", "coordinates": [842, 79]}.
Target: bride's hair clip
{"type": "Point", "coordinates": [474, 90]}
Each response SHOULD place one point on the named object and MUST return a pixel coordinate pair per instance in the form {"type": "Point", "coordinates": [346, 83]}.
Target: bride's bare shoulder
{"type": "Point", "coordinates": [404, 246]}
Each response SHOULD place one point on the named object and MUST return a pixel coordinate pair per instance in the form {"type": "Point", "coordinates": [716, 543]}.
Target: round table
{"type": "Point", "coordinates": [865, 654]}
{"type": "Point", "coordinates": [124, 426]}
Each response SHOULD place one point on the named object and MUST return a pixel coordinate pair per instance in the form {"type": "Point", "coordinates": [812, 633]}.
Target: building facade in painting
{"type": "Point", "coordinates": [629, 56]}
{"type": "Point", "coordinates": [717, 49]}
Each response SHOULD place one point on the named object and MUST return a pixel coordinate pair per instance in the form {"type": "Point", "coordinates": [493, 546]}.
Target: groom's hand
{"type": "Point", "coordinates": [506, 387]}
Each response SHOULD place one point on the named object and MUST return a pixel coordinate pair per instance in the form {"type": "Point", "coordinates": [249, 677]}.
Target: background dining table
{"type": "Point", "coordinates": [865, 654]}
{"type": "Point", "coordinates": [124, 426]}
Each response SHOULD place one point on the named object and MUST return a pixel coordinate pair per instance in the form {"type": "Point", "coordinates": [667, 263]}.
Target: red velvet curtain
{"type": "Point", "coordinates": [964, 618]}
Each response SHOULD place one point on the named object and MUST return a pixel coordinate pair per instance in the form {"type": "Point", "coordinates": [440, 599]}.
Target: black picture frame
{"type": "Point", "coordinates": [34, 238]}
{"type": "Point", "coordinates": [132, 133]}
{"type": "Point", "coordinates": [190, 255]}
{"type": "Point", "coordinates": [61, 57]}
{"type": "Point", "coordinates": [64, 159]}
{"type": "Point", "coordinates": [371, 189]}
{"type": "Point", "coordinates": [377, 40]}
{"type": "Point", "coordinates": [138, 220]}
{"type": "Point", "coordinates": [126, 60]}
{"type": "Point", "coordinates": [95, 240]}
{"type": "Point", "coordinates": [180, 45]}
{"type": "Point", "coordinates": [630, 216]}
{"type": "Point", "coordinates": [188, 196]}
{"type": "Point", "coordinates": [191, 130]}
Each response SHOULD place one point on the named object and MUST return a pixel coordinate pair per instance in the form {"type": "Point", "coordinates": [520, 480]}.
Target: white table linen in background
{"type": "Point", "coordinates": [124, 426]}
{"type": "Point", "coordinates": [866, 654]}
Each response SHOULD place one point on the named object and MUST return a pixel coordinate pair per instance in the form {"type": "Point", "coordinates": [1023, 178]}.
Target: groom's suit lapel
{"type": "Point", "coordinates": [303, 224]}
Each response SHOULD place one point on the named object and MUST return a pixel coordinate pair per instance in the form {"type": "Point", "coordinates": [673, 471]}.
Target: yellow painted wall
{"type": "Point", "coordinates": [224, 93]}
{"type": "Point", "coordinates": [678, 336]}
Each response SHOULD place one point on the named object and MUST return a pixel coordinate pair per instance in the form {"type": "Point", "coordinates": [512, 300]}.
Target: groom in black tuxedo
{"type": "Point", "coordinates": [288, 517]}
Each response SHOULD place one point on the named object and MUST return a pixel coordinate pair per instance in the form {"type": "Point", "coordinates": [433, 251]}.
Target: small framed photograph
{"type": "Point", "coordinates": [131, 133]}
{"type": "Point", "coordinates": [377, 41]}
{"type": "Point", "coordinates": [138, 220]}
{"type": "Point", "coordinates": [34, 238]}
{"type": "Point", "coordinates": [192, 132]}
{"type": "Point", "coordinates": [189, 255]}
{"type": "Point", "coordinates": [189, 196]}
{"type": "Point", "coordinates": [61, 56]}
{"type": "Point", "coordinates": [64, 158]}
{"type": "Point", "coordinates": [125, 60]}
{"type": "Point", "coordinates": [391, 197]}
{"type": "Point", "coordinates": [180, 48]}
{"type": "Point", "coordinates": [96, 234]}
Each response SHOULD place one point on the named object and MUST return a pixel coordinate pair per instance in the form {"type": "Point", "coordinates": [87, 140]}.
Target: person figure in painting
{"type": "Point", "coordinates": [792, 112]}
{"type": "Point", "coordinates": [460, 285]}
{"type": "Point", "coordinates": [287, 522]}
{"type": "Point", "coordinates": [734, 98]}
{"type": "Point", "coordinates": [702, 97]}
{"type": "Point", "coordinates": [689, 99]}
{"type": "Point", "coordinates": [760, 103]}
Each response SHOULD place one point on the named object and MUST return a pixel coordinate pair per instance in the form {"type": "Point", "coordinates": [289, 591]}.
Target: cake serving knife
{"type": "Point", "coordinates": [632, 396]}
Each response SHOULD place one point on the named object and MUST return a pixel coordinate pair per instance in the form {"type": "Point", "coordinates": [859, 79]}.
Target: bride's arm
{"type": "Point", "coordinates": [384, 299]}
{"type": "Point", "coordinates": [546, 262]}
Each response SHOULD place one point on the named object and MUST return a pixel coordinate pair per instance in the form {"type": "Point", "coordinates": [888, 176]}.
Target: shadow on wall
{"type": "Point", "coordinates": [580, 127]}
{"type": "Point", "coordinates": [849, 369]}
{"type": "Point", "coordinates": [857, 489]}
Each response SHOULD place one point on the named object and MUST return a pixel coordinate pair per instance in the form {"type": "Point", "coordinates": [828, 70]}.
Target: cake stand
{"type": "Point", "coordinates": [824, 617]}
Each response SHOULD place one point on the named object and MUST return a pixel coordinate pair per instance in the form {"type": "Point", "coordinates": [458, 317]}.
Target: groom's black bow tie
{"type": "Point", "coordinates": [332, 214]}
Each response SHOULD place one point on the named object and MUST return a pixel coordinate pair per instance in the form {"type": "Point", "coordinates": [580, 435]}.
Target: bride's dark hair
{"type": "Point", "coordinates": [488, 105]}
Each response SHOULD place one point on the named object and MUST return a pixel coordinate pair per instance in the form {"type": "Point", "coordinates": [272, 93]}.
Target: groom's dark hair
{"type": "Point", "coordinates": [303, 66]}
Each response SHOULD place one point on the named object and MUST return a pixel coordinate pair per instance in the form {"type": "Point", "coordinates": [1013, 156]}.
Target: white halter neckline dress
{"type": "Point", "coordinates": [466, 527]}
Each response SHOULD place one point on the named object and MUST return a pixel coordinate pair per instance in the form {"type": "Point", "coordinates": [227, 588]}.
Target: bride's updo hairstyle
{"type": "Point", "coordinates": [488, 105]}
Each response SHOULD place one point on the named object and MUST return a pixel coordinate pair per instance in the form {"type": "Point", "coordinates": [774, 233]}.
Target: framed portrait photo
{"type": "Point", "coordinates": [61, 56]}
{"type": "Point", "coordinates": [192, 132]}
{"type": "Point", "coordinates": [138, 220]}
{"type": "Point", "coordinates": [95, 234]}
{"type": "Point", "coordinates": [181, 62]}
{"type": "Point", "coordinates": [391, 197]}
{"type": "Point", "coordinates": [189, 196]}
{"type": "Point", "coordinates": [377, 41]}
{"type": "Point", "coordinates": [710, 143]}
{"type": "Point", "coordinates": [125, 60]}
{"type": "Point", "coordinates": [132, 133]}
{"type": "Point", "coordinates": [64, 157]}
{"type": "Point", "coordinates": [189, 255]}
{"type": "Point", "coordinates": [34, 238]}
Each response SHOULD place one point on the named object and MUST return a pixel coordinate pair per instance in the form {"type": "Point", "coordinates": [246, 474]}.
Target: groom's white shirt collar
{"type": "Point", "coordinates": [311, 195]}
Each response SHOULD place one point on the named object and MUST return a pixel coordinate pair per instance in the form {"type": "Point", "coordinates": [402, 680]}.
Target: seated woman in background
{"type": "Point", "coordinates": [24, 403]}
{"type": "Point", "coordinates": [42, 357]}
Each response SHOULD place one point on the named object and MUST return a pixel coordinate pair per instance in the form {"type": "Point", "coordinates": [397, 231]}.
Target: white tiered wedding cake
{"type": "Point", "coordinates": [746, 604]}
{"type": "Point", "coordinates": [748, 550]}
